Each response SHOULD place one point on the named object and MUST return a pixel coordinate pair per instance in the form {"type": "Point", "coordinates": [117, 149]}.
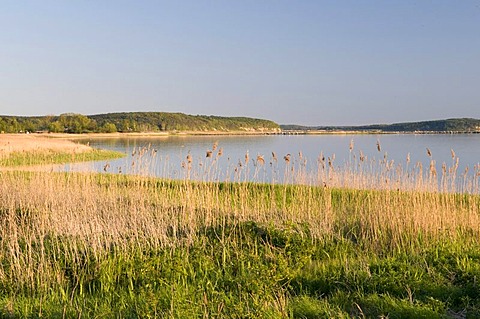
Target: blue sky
{"type": "Point", "coordinates": [303, 62]}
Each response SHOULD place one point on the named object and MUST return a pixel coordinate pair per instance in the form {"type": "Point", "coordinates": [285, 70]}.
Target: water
{"type": "Point", "coordinates": [167, 156]}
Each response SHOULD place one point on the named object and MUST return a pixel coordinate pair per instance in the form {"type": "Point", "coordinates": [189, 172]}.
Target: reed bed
{"type": "Point", "coordinates": [73, 243]}
{"type": "Point", "coordinates": [26, 159]}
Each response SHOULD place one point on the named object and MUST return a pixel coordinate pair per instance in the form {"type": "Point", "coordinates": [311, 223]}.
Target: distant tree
{"type": "Point", "coordinates": [56, 127]}
{"type": "Point", "coordinates": [77, 123]}
{"type": "Point", "coordinates": [13, 126]}
{"type": "Point", "coordinates": [108, 128]}
{"type": "Point", "coordinates": [3, 125]}
{"type": "Point", "coordinates": [129, 122]}
{"type": "Point", "coordinates": [44, 122]}
{"type": "Point", "coordinates": [29, 126]}
{"type": "Point", "coordinates": [126, 125]}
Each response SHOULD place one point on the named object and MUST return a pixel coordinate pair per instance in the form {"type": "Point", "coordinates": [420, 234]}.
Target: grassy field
{"type": "Point", "coordinates": [78, 245]}
{"type": "Point", "coordinates": [16, 159]}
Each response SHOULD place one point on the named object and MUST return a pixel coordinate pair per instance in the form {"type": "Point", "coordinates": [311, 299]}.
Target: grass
{"type": "Point", "coordinates": [16, 159]}
{"type": "Point", "coordinates": [100, 245]}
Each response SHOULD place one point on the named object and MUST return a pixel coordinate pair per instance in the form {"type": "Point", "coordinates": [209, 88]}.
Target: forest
{"type": "Point", "coordinates": [440, 126]}
{"type": "Point", "coordinates": [131, 122]}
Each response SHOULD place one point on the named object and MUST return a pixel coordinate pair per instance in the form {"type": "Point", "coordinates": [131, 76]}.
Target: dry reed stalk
{"type": "Point", "coordinates": [381, 205]}
{"type": "Point", "coordinates": [260, 159]}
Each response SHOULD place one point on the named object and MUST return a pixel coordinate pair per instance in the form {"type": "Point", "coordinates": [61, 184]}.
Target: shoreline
{"type": "Point", "coordinates": [66, 142]}
{"type": "Point", "coordinates": [74, 136]}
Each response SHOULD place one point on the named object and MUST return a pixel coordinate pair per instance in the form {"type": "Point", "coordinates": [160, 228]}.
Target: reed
{"type": "Point", "coordinates": [48, 157]}
{"type": "Point", "coordinates": [197, 246]}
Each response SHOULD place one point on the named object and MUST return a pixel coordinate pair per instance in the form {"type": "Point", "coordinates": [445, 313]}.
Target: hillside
{"type": "Point", "coordinates": [449, 125]}
{"type": "Point", "coordinates": [132, 122]}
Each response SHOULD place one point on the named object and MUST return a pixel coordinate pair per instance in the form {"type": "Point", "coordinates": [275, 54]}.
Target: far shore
{"type": "Point", "coordinates": [73, 136]}
{"type": "Point", "coordinates": [20, 142]}
{"type": "Point", "coordinates": [152, 134]}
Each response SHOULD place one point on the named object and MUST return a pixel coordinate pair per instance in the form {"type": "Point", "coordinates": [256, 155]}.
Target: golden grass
{"type": "Point", "coordinates": [96, 212]}
{"type": "Point", "coordinates": [379, 206]}
{"type": "Point", "coordinates": [10, 143]}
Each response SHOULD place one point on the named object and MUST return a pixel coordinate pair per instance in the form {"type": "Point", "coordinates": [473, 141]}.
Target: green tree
{"type": "Point", "coordinates": [29, 126]}
{"type": "Point", "coordinates": [108, 128]}
{"type": "Point", "coordinates": [77, 123]}
{"type": "Point", "coordinates": [3, 125]}
{"type": "Point", "coordinates": [13, 126]}
{"type": "Point", "coordinates": [56, 127]}
{"type": "Point", "coordinates": [126, 125]}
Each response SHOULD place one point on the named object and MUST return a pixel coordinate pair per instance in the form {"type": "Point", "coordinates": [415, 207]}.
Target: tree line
{"type": "Point", "coordinates": [131, 122]}
{"type": "Point", "coordinates": [449, 125]}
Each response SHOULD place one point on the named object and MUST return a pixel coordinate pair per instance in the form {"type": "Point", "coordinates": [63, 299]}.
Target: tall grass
{"type": "Point", "coordinates": [47, 157]}
{"type": "Point", "coordinates": [74, 244]}
{"type": "Point", "coordinates": [358, 171]}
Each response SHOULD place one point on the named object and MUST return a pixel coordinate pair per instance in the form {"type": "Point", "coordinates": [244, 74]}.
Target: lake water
{"type": "Point", "coordinates": [310, 156]}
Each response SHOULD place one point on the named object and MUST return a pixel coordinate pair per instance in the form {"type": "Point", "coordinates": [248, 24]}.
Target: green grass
{"type": "Point", "coordinates": [42, 158]}
{"type": "Point", "coordinates": [114, 246]}
{"type": "Point", "coordinates": [254, 271]}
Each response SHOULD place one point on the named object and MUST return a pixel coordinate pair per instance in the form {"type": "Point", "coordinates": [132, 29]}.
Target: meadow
{"type": "Point", "coordinates": [364, 241]}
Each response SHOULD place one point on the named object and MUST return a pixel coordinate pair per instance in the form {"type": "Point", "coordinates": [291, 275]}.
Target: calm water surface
{"type": "Point", "coordinates": [170, 156]}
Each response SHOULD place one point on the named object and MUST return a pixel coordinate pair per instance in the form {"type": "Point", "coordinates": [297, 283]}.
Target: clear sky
{"type": "Point", "coordinates": [303, 62]}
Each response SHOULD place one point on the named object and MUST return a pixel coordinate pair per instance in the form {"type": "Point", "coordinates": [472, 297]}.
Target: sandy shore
{"type": "Point", "coordinates": [35, 142]}
{"type": "Point", "coordinates": [151, 134]}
